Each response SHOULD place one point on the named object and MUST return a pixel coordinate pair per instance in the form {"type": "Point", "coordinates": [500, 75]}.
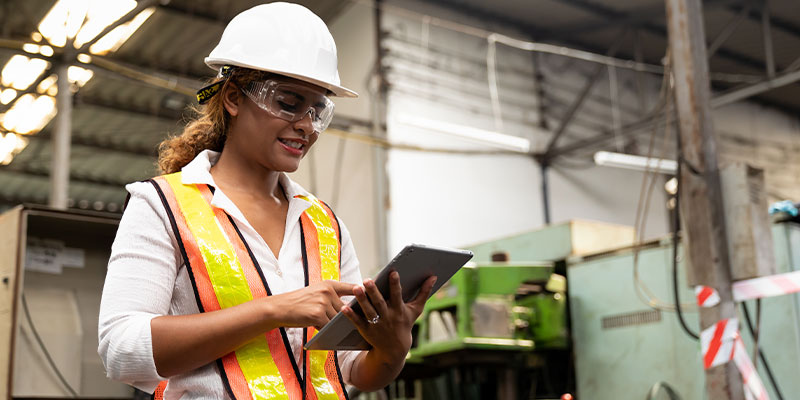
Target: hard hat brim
{"type": "Point", "coordinates": [338, 91]}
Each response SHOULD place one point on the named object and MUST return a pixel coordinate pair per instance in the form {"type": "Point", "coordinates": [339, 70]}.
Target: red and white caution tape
{"type": "Point", "coordinates": [754, 387]}
{"type": "Point", "coordinates": [766, 286]}
{"type": "Point", "coordinates": [717, 342]}
{"type": "Point", "coordinates": [721, 343]}
{"type": "Point", "coordinates": [706, 296]}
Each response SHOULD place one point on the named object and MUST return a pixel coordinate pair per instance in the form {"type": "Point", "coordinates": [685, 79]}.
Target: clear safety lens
{"type": "Point", "coordinates": [292, 102]}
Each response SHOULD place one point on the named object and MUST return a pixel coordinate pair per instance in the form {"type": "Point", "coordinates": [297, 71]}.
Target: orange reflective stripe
{"type": "Point", "coordinates": [234, 376]}
{"type": "Point", "coordinates": [194, 261]}
{"type": "Point", "coordinates": [158, 394]}
{"type": "Point", "coordinates": [321, 231]}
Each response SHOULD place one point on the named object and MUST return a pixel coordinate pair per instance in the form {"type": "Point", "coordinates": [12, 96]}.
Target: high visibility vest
{"type": "Point", "coordinates": [224, 273]}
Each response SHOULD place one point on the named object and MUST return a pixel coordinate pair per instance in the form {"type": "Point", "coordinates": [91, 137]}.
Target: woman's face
{"type": "Point", "coordinates": [264, 139]}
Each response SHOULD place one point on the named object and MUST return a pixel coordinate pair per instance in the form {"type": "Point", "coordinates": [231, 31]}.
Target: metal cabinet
{"type": "Point", "coordinates": [52, 270]}
{"type": "Point", "coordinates": [623, 346]}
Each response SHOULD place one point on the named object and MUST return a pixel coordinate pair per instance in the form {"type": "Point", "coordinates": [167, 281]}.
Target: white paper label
{"type": "Point", "coordinates": [44, 256]}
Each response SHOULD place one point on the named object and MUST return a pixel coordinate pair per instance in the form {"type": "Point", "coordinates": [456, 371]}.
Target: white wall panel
{"type": "Point", "coordinates": [354, 33]}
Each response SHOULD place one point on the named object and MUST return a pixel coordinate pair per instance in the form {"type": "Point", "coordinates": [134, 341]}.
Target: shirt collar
{"type": "Point", "coordinates": [198, 171]}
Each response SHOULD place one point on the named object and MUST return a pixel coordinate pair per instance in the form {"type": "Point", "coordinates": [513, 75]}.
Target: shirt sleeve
{"type": "Point", "coordinates": [139, 283]}
{"type": "Point", "coordinates": [351, 273]}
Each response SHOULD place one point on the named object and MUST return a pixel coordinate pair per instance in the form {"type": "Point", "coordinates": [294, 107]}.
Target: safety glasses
{"type": "Point", "coordinates": [291, 102]}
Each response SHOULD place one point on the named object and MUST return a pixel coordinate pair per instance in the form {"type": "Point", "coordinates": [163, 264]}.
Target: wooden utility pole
{"type": "Point", "coordinates": [701, 195]}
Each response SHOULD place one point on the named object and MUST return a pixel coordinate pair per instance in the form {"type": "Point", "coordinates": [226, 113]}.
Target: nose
{"type": "Point", "coordinates": [305, 124]}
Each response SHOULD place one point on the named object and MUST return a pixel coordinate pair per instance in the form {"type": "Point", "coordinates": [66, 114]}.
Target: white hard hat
{"type": "Point", "coordinates": [283, 38]}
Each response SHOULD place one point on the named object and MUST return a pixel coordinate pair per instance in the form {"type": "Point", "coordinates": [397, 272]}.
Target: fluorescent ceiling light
{"type": "Point", "coordinates": [46, 50]}
{"type": "Point", "coordinates": [495, 139]}
{"type": "Point", "coordinates": [101, 14]}
{"type": "Point", "coordinates": [636, 163]}
{"type": "Point", "coordinates": [113, 40]}
{"type": "Point", "coordinates": [20, 71]}
{"type": "Point", "coordinates": [79, 75]}
{"type": "Point", "coordinates": [63, 21]}
{"type": "Point", "coordinates": [47, 83]}
{"type": "Point", "coordinates": [10, 144]}
{"type": "Point", "coordinates": [7, 96]}
{"type": "Point", "coordinates": [29, 114]}
{"type": "Point", "coordinates": [30, 48]}
{"type": "Point", "coordinates": [83, 20]}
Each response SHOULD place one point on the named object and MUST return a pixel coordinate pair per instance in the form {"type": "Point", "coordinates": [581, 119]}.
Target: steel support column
{"type": "Point", "coordinates": [59, 173]}
{"type": "Point", "coordinates": [766, 32]}
{"type": "Point", "coordinates": [704, 221]}
{"type": "Point", "coordinates": [544, 167]}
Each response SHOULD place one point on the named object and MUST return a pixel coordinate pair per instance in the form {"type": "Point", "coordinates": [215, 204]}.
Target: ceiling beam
{"type": "Point", "coordinates": [608, 12]}
{"type": "Point", "coordinates": [193, 12]}
{"type": "Point", "coordinates": [776, 22]}
{"type": "Point", "coordinates": [635, 17]}
{"type": "Point", "coordinates": [34, 172]}
{"type": "Point", "coordinates": [162, 112]}
{"type": "Point", "coordinates": [717, 101]}
{"type": "Point", "coordinates": [97, 144]}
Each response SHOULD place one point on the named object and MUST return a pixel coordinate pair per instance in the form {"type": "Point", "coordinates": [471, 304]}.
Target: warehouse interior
{"type": "Point", "coordinates": [548, 137]}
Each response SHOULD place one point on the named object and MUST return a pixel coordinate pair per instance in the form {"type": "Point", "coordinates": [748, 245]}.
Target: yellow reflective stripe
{"type": "Point", "coordinates": [329, 269]}
{"type": "Point", "coordinates": [260, 371]}
{"type": "Point", "coordinates": [319, 379]}
{"type": "Point", "coordinates": [326, 235]}
{"type": "Point", "coordinates": [224, 271]}
{"type": "Point", "coordinates": [230, 286]}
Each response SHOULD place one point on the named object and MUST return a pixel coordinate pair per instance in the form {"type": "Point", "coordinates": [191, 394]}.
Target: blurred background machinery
{"type": "Point", "coordinates": [617, 337]}
{"type": "Point", "coordinates": [500, 327]}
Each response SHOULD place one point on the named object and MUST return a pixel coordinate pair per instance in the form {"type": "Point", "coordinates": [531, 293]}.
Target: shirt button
{"type": "Point", "coordinates": [279, 272]}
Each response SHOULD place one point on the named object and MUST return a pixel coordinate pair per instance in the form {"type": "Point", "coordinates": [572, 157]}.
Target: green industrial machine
{"type": "Point", "coordinates": [500, 306]}
{"type": "Point", "coordinates": [501, 330]}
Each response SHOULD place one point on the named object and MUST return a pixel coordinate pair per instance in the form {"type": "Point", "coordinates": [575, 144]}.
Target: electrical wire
{"type": "Point", "coordinates": [757, 332]}
{"type": "Point", "coordinates": [645, 294]}
{"type": "Point", "coordinates": [763, 358]}
{"type": "Point", "coordinates": [491, 69]}
{"type": "Point", "coordinates": [663, 387]}
{"type": "Point", "coordinates": [46, 353]}
{"type": "Point", "coordinates": [676, 221]}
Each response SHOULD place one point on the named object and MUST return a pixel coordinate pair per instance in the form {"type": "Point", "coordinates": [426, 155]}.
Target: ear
{"type": "Point", "coordinates": [231, 98]}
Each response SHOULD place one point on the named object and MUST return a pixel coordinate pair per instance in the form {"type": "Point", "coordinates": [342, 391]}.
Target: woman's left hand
{"type": "Point", "coordinates": [387, 326]}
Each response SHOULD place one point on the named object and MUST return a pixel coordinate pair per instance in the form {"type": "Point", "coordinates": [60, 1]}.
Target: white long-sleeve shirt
{"type": "Point", "coordinates": [147, 278]}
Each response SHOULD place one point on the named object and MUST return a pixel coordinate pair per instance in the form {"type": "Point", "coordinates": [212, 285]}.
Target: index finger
{"type": "Point", "coordinates": [342, 288]}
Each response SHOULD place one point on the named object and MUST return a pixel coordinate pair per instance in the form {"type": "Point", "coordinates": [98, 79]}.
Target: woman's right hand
{"type": "Point", "coordinates": [313, 305]}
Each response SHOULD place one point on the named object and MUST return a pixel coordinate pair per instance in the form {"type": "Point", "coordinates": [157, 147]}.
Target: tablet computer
{"type": "Point", "coordinates": [415, 263]}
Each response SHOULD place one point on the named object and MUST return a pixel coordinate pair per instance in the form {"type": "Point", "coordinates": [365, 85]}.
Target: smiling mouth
{"type": "Point", "coordinates": [292, 144]}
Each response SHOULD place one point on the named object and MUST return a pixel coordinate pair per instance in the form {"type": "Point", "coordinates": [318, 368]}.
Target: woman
{"type": "Point", "coordinates": [224, 267]}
